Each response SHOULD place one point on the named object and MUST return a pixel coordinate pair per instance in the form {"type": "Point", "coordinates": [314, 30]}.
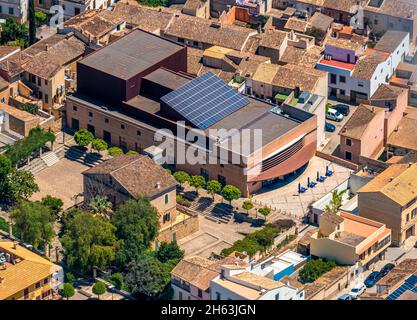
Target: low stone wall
{"type": "Point", "coordinates": [337, 160]}
{"type": "Point", "coordinates": [181, 229]}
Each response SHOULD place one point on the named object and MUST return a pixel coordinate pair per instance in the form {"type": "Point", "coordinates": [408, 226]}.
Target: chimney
{"type": "Point", "coordinates": [158, 185]}
{"type": "Point", "coordinates": [1, 280]}
{"type": "Point", "coordinates": [410, 164]}
{"type": "Point", "coordinates": [14, 245]}
{"type": "Point", "coordinates": [47, 47]}
{"type": "Point", "coordinates": [391, 178]}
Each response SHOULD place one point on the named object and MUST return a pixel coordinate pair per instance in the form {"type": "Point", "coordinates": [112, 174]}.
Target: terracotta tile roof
{"type": "Point", "coordinates": [357, 124]}
{"type": "Point", "coordinates": [338, 64]}
{"type": "Point", "coordinates": [31, 269]}
{"type": "Point", "coordinates": [340, 5]}
{"type": "Point", "coordinates": [402, 137]}
{"type": "Point", "coordinates": [387, 92]}
{"type": "Point", "coordinates": [397, 275]}
{"type": "Point", "coordinates": [257, 280]}
{"type": "Point", "coordinates": [292, 76]}
{"type": "Point", "coordinates": [94, 23]}
{"type": "Point", "coordinates": [138, 174]}
{"type": "Point", "coordinates": [145, 18]}
{"type": "Point", "coordinates": [273, 38]}
{"type": "Point", "coordinates": [266, 72]}
{"type": "Point", "coordinates": [366, 67]}
{"type": "Point", "coordinates": [332, 218]}
{"type": "Point", "coordinates": [292, 282]}
{"type": "Point", "coordinates": [398, 183]}
{"type": "Point", "coordinates": [302, 57]}
{"type": "Point", "coordinates": [405, 9]}
{"type": "Point", "coordinates": [202, 30]}
{"type": "Point", "coordinates": [345, 44]}
{"type": "Point", "coordinates": [296, 25]}
{"type": "Point", "coordinates": [7, 50]}
{"type": "Point", "coordinates": [321, 21]}
{"type": "Point", "coordinates": [391, 40]}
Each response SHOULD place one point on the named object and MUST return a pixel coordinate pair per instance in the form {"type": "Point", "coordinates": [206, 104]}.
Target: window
{"type": "Point", "coordinates": [360, 84]}
{"type": "Point", "coordinates": [40, 95]}
{"type": "Point", "coordinates": [413, 213]}
{"type": "Point", "coordinates": [166, 199]}
{"type": "Point", "coordinates": [342, 79]}
{"type": "Point", "coordinates": [181, 40]}
{"type": "Point", "coordinates": [195, 43]}
{"type": "Point", "coordinates": [200, 293]}
{"type": "Point", "coordinates": [106, 120]}
{"type": "Point", "coordinates": [39, 81]}
{"type": "Point", "coordinates": [348, 142]}
{"type": "Point", "coordinates": [46, 98]}
{"type": "Point", "coordinates": [333, 79]}
{"type": "Point", "coordinates": [3, 100]}
{"type": "Point", "coordinates": [408, 217]}
{"type": "Point", "coordinates": [122, 126]}
{"type": "Point", "coordinates": [375, 22]}
{"type": "Point", "coordinates": [166, 217]}
{"type": "Point", "coordinates": [45, 281]}
{"type": "Point", "coordinates": [26, 293]}
{"type": "Point", "coordinates": [218, 296]}
{"type": "Point", "coordinates": [74, 108]}
{"type": "Point", "coordinates": [342, 92]}
{"type": "Point", "coordinates": [75, 124]}
{"type": "Point", "coordinates": [138, 133]}
{"type": "Point", "coordinates": [1, 9]}
{"type": "Point", "coordinates": [348, 155]}
{"type": "Point", "coordinates": [37, 285]}
{"type": "Point", "coordinates": [46, 82]}
{"type": "Point", "coordinates": [106, 136]}
{"type": "Point", "coordinates": [11, 11]}
{"type": "Point", "coordinates": [90, 114]}
{"type": "Point", "coordinates": [76, 11]}
{"type": "Point", "coordinates": [91, 129]}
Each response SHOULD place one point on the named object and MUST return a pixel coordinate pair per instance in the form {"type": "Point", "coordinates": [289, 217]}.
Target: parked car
{"type": "Point", "coordinates": [342, 108]}
{"type": "Point", "coordinates": [345, 297]}
{"type": "Point", "coordinates": [387, 268]}
{"type": "Point", "coordinates": [334, 115]}
{"type": "Point", "coordinates": [372, 279]}
{"type": "Point", "coordinates": [329, 127]}
{"type": "Point", "coordinates": [357, 290]}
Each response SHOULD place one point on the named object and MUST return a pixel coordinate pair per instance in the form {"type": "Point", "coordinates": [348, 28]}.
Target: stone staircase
{"type": "Point", "coordinates": [79, 154]}
{"type": "Point", "coordinates": [219, 212]}
{"type": "Point", "coordinates": [50, 158]}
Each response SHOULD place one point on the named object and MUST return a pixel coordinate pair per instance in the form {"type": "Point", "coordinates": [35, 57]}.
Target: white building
{"type": "Point", "coordinates": [17, 9]}
{"type": "Point", "coordinates": [74, 7]}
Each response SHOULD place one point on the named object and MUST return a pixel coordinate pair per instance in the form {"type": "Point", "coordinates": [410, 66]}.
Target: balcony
{"type": "Point", "coordinates": [181, 284]}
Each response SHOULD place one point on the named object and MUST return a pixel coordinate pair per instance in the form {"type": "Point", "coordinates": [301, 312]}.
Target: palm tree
{"type": "Point", "coordinates": [336, 202]}
{"type": "Point", "coordinates": [100, 205]}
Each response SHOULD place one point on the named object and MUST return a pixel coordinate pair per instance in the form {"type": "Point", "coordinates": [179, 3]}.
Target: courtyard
{"type": "Point", "coordinates": [285, 200]}
{"type": "Point", "coordinates": [63, 180]}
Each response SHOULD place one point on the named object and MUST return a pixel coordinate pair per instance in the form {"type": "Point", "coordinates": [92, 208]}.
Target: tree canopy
{"type": "Point", "coordinates": [14, 32]}
{"type": "Point", "coordinates": [213, 186]}
{"type": "Point", "coordinates": [55, 204]}
{"type": "Point", "coordinates": [99, 288]}
{"type": "Point", "coordinates": [182, 177]}
{"type": "Point", "coordinates": [67, 290]}
{"type": "Point", "coordinates": [170, 252]}
{"type": "Point", "coordinates": [99, 144]}
{"type": "Point", "coordinates": [314, 269]}
{"type": "Point", "coordinates": [115, 151]}
{"type": "Point", "coordinates": [100, 205]}
{"type": "Point", "coordinates": [89, 241]}
{"type": "Point", "coordinates": [83, 137]}
{"type": "Point", "coordinates": [136, 223]}
{"type": "Point", "coordinates": [34, 223]}
{"type": "Point", "coordinates": [265, 211]}
{"type": "Point", "coordinates": [247, 205]}
{"type": "Point", "coordinates": [231, 193]}
{"type": "Point", "coordinates": [197, 182]}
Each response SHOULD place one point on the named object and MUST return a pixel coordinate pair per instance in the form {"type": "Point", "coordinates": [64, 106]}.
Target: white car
{"type": "Point", "coordinates": [357, 290]}
{"type": "Point", "coordinates": [334, 115]}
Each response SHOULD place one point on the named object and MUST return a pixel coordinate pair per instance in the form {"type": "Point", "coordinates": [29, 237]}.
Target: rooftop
{"type": "Point", "coordinates": [365, 67]}
{"type": "Point", "coordinates": [405, 9]}
{"type": "Point", "coordinates": [28, 269]}
{"type": "Point", "coordinates": [302, 57]}
{"type": "Point", "coordinates": [131, 54]}
{"type": "Point", "coordinates": [138, 174]}
{"type": "Point", "coordinates": [398, 182]}
{"type": "Point", "coordinates": [321, 21]}
{"type": "Point", "coordinates": [345, 44]}
{"type": "Point", "coordinates": [208, 32]}
{"type": "Point", "coordinates": [338, 64]}
{"type": "Point", "coordinates": [296, 24]}
{"type": "Point", "coordinates": [391, 40]}
{"type": "Point", "coordinates": [273, 38]}
{"type": "Point", "coordinates": [340, 5]}
{"type": "Point", "coordinates": [401, 136]}
{"type": "Point", "coordinates": [357, 124]}
{"type": "Point", "coordinates": [387, 92]}
{"type": "Point", "coordinates": [291, 76]}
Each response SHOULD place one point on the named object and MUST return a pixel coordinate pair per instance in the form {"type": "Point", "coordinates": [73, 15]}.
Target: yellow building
{"type": "Point", "coordinates": [24, 275]}
{"type": "Point", "coordinates": [349, 239]}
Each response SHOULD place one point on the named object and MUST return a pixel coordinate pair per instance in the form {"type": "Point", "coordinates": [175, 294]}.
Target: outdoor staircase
{"type": "Point", "coordinates": [50, 158]}
{"type": "Point", "coordinates": [219, 212]}
{"type": "Point", "coordinates": [79, 154]}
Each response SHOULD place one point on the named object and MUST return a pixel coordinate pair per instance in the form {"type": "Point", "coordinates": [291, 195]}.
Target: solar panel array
{"type": "Point", "coordinates": [205, 100]}
{"type": "Point", "coordinates": [409, 284]}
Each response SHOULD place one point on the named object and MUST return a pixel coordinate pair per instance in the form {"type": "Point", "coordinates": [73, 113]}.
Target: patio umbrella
{"type": "Point", "coordinates": [299, 187]}
{"type": "Point", "coordinates": [308, 181]}
{"type": "Point", "coordinates": [318, 176]}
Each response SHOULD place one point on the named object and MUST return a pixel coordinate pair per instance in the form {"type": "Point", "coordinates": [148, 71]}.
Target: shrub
{"type": "Point", "coordinates": [314, 269]}
{"type": "Point", "coordinates": [182, 177]}
{"type": "Point", "coordinates": [287, 240]}
{"type": "Point", "coordinates": [115, 151]}
{"type": "Point", "coordinates": [99, 144]}
{"type": "Point", "coordinates": [132, 152]}
{"type": "Point", "coordinates": [284, 224]}
{"type": "Point", "coordinates": [117, 279]}
{"type": "Point", "coordinates": [182, 201]}
{"type": "Point", "coordinates": [99, 288]}
{"type": "Point", "coordinates": [67, 291]}
{"type": "Point", "coordinates": [231, 193]}
{"type": "Point", "coordinates": [83, 137]}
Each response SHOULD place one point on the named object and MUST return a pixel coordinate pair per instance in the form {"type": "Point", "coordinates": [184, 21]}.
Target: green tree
{"type": "Point", "coordinates": [32, 23]}
{"type": "Point", "coordinates": [136, 223]}
{"type": "Point", "coordinates": [148, 278]}
{"type": "Point", "coordinates": [117, 279]}
{"type": "Point", "coordinates": [21, 185]}
{"type": "Point", "coordinates": [197, 182]}
{"type": "Point", "coordinates": [70, 277]}
{"type": "Point", "coordinates": [182, 177]}
{"type": "Point", "coordinates": [5, 168]}
{"type": "Point", "coordinates": [100, 205]}
{"type": "Point", "coordinates": [14, 32]}
{"type": "Point", "coordinates": [29, 107]}
{"type": "Point", "coordinates": [34, 223]}
{"type": "Point", "coordinates": [115, 151]}
{"type": "Point", "coordinates": [265, 211]}
{"type": "Point", "coordinates": [55, 204]}
{"type": "Point", "coordinates": [83, 137]}
{"type": "Point", "coordinates": [99, 145]}
{"type": "Point", "coordinates": [99, 288]}
{"type": "Point", "coordinates": [89, 241]}
{"type": "Point", "coordinates": [213, 186]}
{"type": "Point", "coordinates": [168, 171]}
{"type": "Point", "coordinates": [247, 205]}
{"type": "Point", "coordinates": [336, 201]}
{"type": "Point", "coordinates": [170, 252]}
{"type": "Point", "coordinates": [132, 152]}
{"type": "Point", "coordinates": [67, 291]}
{"type": "Point", "coordinates": [231, 193]}
{"type": "Point", "coordinates": [40, 17]}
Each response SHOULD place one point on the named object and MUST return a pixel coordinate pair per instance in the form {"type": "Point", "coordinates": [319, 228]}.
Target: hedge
{"type": "Point", "coordinates": [257, 241]}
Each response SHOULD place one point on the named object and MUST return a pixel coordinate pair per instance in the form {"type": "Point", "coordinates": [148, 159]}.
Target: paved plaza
{"type": "Point", "coordinates": [286, 200]}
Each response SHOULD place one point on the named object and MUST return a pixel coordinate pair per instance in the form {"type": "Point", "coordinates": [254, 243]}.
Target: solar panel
{"type": "Point", "coordinates": [412, 280]}
{"type": "Point", "coordinates": [205, 100]}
